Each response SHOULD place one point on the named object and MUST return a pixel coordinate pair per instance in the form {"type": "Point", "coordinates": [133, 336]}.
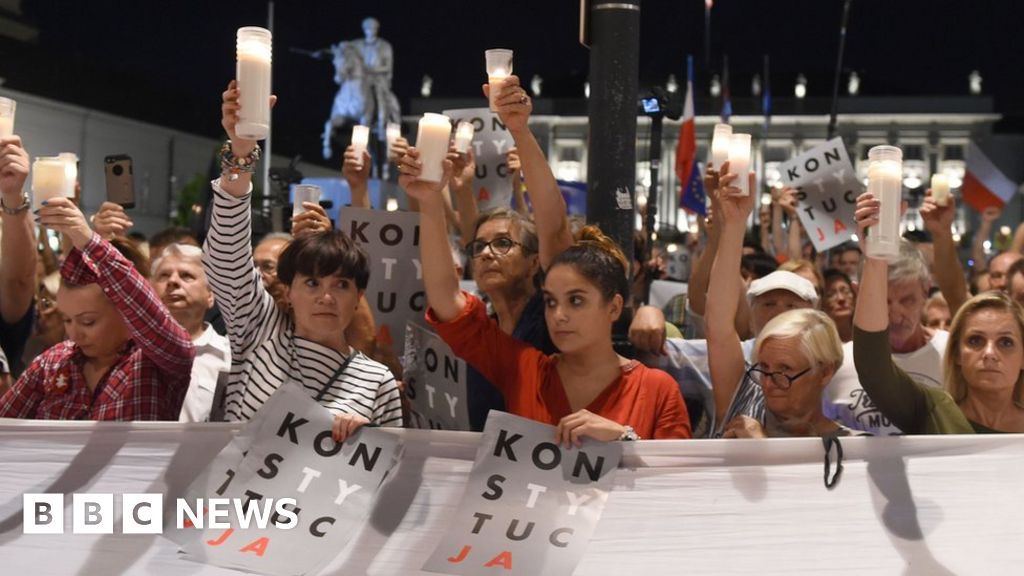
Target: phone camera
{"type": "Point", "coordinates": [117, 170]}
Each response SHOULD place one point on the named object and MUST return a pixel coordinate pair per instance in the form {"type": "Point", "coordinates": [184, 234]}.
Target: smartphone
{"type": "Point", "coordinates": [120, 184]}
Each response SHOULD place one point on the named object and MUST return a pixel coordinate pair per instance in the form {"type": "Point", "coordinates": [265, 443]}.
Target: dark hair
{"type": "Point", "coordinates": [759, 265]}
{"type": "Point", "coordinates": [599, 259]}
{"type": "Point", "coordinates": [831, 274]}
{"type": "Point", "coordinates": [917, 236]}
{"type": "Point", "coordinates": [847, 247]}
{"type": "Point", "coordinates": [1014, 269]}
{"type": "Point", "coordinates": [130, 250]}
{"type": "Point", "coordinates": [172, 235]}
{"type": "Point", "coordinates": [324, 254]}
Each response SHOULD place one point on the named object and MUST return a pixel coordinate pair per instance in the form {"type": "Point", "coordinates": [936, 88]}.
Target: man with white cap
{"type": "Point", "coordinates": [687, 360]}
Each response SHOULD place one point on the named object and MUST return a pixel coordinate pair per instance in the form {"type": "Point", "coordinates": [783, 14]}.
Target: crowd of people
{"type": "Point", "coordinates": [770, 340]}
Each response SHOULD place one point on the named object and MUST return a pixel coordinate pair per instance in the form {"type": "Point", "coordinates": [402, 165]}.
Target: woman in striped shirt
{"type": "Point", "coordinates": [326, 273]}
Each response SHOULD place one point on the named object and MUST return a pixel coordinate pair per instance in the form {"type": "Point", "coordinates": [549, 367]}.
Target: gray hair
{"type": "Point", "coordinates": [527, 229]}
{"type": "Point", "coordinates": [183, 251]}
{"type": "Point", "coordinates": [910, 265]}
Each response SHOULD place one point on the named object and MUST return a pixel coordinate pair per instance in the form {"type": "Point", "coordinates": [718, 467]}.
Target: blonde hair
{"type": "Point", "coordinates": [816, 332]}
{"type": "Point", "coordinates": [953, 375]}
{"type": "Point", "coordinates": [800, 265]}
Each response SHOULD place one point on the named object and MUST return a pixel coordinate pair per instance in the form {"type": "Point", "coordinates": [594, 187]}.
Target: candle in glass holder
{"type": "Point", "coordinates": [885, 182]}
{"type": "Point", "coordinates": [720, 145]}
{"type": "Point", "coordinates": [49, 177]}
{"type": "Point", "coordinates": [463, 137]}
{"type": "Point", "coordinates": [302, 193]}
{"type": "Point", "coordinates": [393, 132]}
{"type": "Point", "coordinates": [940, 189]}
{"type": "Point", "coordinates": [253, 51]}
{"type": "Point", "coordinates": [7, 107]}
{"type": "Point", "coordinates": [739, 161]}
{"type": "Point", "coordinates": [360, 138]}
{"type": "Point", "coordinates": [499, 67]}
{"type": "Point", "coordinates": [435, 130]}
{"type": "Point", "coordinates": [70, 172]}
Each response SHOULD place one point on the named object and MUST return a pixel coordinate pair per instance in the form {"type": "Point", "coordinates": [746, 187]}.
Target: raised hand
{"type": "Point", "coordinates": [734, 207]}
{"type": "Point", "coordinates": [62, 215]}
{"type": "Point", "coordinates": [513, 104]}
{"type": "Point", "coordinates": [938, 219]}
{"type": "Point", "coordinates": [313, 220]}
{"type": "Point", "coordinates": [14, 167]}
{"type": "Point", "coordinates": [411, 167]}
{"type": "Point", "coordinates": [111, 220]}
{"type": "Point", "coordinates": [229, 118]}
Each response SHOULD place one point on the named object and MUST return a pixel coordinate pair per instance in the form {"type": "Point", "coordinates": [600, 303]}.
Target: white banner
{"type": "Point", "coordinates": [904, 505]}
{"type": "Point", "coordinates": [827, 190]}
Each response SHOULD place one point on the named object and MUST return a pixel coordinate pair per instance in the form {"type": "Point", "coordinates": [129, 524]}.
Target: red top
{"type": "Point", "coordinates": [644, 398]}
{"type": "Point", "coordinates": [148, 381]}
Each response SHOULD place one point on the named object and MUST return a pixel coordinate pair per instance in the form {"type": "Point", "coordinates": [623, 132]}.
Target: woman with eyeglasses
{"type": "Point", "coordinates": [587, 390]}
{"type": "Point", "coordinates": [507, 251]}
{"type": "Point", "coordinates": [795, 354]}
{"type": "Point", "coordinates": [983, 367]}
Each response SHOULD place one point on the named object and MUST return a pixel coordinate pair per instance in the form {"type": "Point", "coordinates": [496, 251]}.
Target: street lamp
{"type": "Point", "coordinates": [800, 90]}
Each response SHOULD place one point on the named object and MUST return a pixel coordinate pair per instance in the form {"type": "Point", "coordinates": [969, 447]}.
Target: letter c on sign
{"type": "Point", "coordinates": [554, 537]}
{"type": "Point", "coordinates": [314, 528]}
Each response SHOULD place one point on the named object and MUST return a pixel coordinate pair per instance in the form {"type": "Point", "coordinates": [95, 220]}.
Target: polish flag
{"type": "Point", "coordinates": [984, 185]}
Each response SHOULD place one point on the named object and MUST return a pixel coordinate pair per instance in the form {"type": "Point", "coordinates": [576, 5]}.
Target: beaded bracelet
{"type": "Point", "coordinates": [233, 165]}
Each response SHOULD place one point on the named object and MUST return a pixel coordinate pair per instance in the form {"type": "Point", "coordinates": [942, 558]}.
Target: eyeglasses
{"type": "Point", "coordinates": [500, 245]}
{"type": "Point", "coordinates": [840, 291]}
{"type": "Point", "coordinates": [783, 383]}
{"type": "Point", "coordinates": [267, 266]}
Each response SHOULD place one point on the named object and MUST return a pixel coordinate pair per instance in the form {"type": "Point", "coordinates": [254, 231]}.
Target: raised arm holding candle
{"type": "Point", "coordinates": [435, 131]}
{"type": "Point", "coordinates": [464, 137]}
{"type": "Point", "coordinates": [49, 177]}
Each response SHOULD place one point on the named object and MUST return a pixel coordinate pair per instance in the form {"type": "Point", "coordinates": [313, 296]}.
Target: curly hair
{"type": "Point", "coordinates": [599, 259]}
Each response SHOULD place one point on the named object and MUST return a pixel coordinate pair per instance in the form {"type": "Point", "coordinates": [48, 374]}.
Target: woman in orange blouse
{"type": "Point", "coordinates": [587, 389]}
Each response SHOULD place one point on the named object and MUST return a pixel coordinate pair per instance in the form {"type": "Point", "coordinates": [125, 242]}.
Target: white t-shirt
{"type": "Point", "coordinates": [846, 401]}
{"type": "Point", "coordinates": [213, 356]}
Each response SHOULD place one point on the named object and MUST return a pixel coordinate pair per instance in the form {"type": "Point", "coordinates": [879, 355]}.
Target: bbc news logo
{"type": "Point", "coordinates": [144, 513]}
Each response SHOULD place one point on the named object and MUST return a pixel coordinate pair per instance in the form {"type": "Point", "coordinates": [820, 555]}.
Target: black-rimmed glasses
{"type": "Point", "coordinates": [500, 245]}
{"type": "Point", "coordinates": [781, 380]}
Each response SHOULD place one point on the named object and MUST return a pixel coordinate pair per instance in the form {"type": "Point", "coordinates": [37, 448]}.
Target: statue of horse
{"type": "Point", "coordinates": [359, 100]}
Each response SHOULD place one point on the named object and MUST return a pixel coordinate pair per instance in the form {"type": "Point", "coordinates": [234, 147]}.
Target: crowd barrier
{"type": "Point", "coordinates": [903, 505]}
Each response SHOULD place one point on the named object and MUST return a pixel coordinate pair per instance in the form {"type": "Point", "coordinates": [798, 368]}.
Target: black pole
{"type": "Point", "coordinates": [839, 70]}
{"type": "Point", "coordinates": [650, 221]}
{"type": "Point", "coordinates": [612, 111]}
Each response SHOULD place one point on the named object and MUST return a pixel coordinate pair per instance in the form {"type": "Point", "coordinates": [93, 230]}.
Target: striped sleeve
{"type": "Point", "coordinates": [250, 314]}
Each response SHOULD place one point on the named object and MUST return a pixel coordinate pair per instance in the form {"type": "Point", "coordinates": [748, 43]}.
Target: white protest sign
{"type": "Point", "coordinates": [293, 456]}
{"type": "Point", "coordinates": [395, 290]}
{"type": "Point", "coordinates": [827, 192]}
{"type": "Point", "coordinates": [435, 381]}
{"type": "Point", "coordinates": [662, 291]}
{"type": "Point", "coordinates": [492, 183]}
{"type": "Point", "coordinates": [530, 506]}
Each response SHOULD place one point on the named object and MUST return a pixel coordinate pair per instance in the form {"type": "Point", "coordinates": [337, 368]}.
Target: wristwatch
{"type": "Point", "coordinates": [629, 435]}
{"type": "Point", "coordinates": [18, 209]}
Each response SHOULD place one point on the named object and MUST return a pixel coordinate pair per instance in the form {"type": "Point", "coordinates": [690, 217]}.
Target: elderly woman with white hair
{"type": "Point", "coordinates": [180, 282]}
{"type": "Point", "coordinates": [795, 354]}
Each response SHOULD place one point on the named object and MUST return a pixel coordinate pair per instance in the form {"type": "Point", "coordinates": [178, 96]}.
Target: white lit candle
{"type": "Point", "coordinates": [885, 183]}
{"type": "Point", "coordinates": [253, 75]}
{"type": "Point", "coordinates": [940, 189]}
{"type": "Point", "coordinates": [70, 172]}
{"type": "Point", "coordinates": [720, 145]}
{"type": "Point", "coordinates": [463, 137]}
{"type": "Point", "coordinates": [360, 138]}
{"type": "Point", "coordinates": [499, 67]}
{"type": "Point", "coordinates": [739, 161]}
{"type": "Point", "coordinates": [7, 107]}
{"type": "Point", "coordinates": [49, 177]}
{"type": "Point", "coordinates": [393, 132]}
{"type": "Point", "coordinates": [435, 130]}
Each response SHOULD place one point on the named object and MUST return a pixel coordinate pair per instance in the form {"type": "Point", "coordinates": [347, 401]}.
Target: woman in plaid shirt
{"type": "Point", "coordinates": [126, 358]}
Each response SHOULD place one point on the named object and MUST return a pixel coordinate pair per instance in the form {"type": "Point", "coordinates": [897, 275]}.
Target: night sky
{"type": "Point", "coordinates": [166, 62]}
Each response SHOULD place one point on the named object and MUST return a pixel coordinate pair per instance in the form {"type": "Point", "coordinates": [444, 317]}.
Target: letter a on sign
{"type": "Point", "coordinates": [504, 560]}
{"type": "Point", "coordinates": [484, 194]}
